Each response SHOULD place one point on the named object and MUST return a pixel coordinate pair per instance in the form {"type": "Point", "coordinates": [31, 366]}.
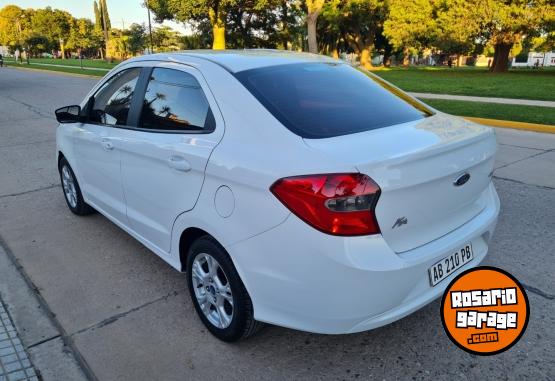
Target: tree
{"type": "Point", "coordinates": [198, 11]}
{"type": "Point", "coordinates": [82, 36]}
{"type": "Point", "coordinates": [37, 44]}
{"type": "Point", "coordinates": [102, 23]}
{"type": "Point", "coordinates": [105, 15]}
{"type": "Point", "coordinates": [12, 26]}
{"type": "Point", "coordinates": [54, 24]}
{"type": "Point", "coordinates": [253, 27]}
{"type": "Point", "coordinates": [118, 46]}
{"type": "Point", "coordinates": [166, 39]}
{"type": "Point", "coordinates": [313, 8]}
{"type": "Point", "coordinates": [352, 25]}
{"type": "Point", "coordinates": [409, 25]}
{"type": "Point", "coordinates": [136, 38]}
{"type": "Point", "coordinates": [456, 31]}
{"type": "Point", "coordinates": [503, 23]}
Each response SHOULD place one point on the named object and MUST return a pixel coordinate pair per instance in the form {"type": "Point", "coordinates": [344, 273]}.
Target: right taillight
{"type": "Point", "coordinates": [339, 204]}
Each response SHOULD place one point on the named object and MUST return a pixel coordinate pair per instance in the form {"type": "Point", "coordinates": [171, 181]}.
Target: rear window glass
{"type": "Point", "coordinates": [322, 100]}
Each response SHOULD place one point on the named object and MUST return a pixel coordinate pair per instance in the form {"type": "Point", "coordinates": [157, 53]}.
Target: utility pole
{"type": "Point", "coordinates": [149, 27]}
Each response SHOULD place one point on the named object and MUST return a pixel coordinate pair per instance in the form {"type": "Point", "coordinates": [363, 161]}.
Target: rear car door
{"type": "Point", "coordinates": [164, 154]}
{"type": "Point", "coordinates": [97, 145]}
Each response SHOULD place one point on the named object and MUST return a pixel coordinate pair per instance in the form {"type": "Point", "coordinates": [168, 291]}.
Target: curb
{"type": "Point", "coordinates": [546, 128]}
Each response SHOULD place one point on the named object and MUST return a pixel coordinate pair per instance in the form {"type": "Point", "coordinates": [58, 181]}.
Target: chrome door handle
{"type": "Point", "coordinates": [107, 144]}
{"type": "Point", "coordinates": [179, 163]}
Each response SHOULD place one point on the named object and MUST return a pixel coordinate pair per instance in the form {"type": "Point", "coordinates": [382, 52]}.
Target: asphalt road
{"type": "Point", "coordinates": [129, 314]}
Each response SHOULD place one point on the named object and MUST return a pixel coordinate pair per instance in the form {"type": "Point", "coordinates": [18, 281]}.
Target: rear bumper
{"type": "Point", "coordinates": [300, 278]}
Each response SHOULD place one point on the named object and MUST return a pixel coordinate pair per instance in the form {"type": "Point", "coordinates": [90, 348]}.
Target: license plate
{"type": "Point", "coordinates": [450, 264]}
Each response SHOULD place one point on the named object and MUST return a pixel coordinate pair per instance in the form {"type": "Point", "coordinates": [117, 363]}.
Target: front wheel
{"type": "Point", "coordinates": [218, 294]}
{"type": "Point", "coordinates": [72, 191]}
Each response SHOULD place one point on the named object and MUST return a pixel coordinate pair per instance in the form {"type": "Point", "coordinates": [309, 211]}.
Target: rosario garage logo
{"type": "Point", "coordinates": [485, 310]}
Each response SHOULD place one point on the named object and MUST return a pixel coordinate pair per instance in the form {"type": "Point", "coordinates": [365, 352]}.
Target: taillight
{"type": "Point", "coordinates": [338, 204]}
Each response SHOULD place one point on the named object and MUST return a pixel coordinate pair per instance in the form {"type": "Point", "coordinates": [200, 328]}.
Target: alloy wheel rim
{"type": "Point", "coordinates": [69, 187]}
{"type": "Point", "coordinates": [212, 290]}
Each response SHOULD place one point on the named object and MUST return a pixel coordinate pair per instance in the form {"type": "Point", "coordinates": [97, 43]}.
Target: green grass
{"type": "Point", "coordinates": [75, 62]}
{"type": "Point", "coordinates": [517, 83]}
{"type": "Point", "coordinates": [76, 70]}
{"type": "Point", "coordinates": [529, 114]}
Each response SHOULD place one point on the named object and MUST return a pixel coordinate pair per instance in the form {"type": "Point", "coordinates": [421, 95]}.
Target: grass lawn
{"type": "Point", "coordinates": [529, 114]}
{"type": "Point", "coordinates": [75, 62]}
{"type": "Point", "coordinates": [76, 70]}
{"type": "Point", "coordinates": [517, 83]}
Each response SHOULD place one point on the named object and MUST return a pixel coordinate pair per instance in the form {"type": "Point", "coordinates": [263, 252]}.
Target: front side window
{"type": "Point", "coordinates": [113, 101]}
{"type": "Point", "coordinates": [174, 100]}
{"type": "Point", "coordinates": [321, 100]}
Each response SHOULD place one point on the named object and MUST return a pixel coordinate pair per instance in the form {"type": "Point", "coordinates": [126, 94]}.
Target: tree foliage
{"type": "Point", "coordinates": [352, 25]}
{"type": "Point", "coordinates": [363, 27]}
{"type": "Point", "coordinates": [218, 13]}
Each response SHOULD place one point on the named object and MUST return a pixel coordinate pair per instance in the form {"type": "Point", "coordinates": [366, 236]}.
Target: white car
{"type": "Point", "coordinates": [293, 189]}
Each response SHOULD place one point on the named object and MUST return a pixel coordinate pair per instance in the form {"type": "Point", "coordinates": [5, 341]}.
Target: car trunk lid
{"type": "Point", "coordinates": [416, 165]}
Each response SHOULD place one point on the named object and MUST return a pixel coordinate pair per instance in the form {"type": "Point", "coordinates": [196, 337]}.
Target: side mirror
{"type": "Point", "coordinates": [69, 114]}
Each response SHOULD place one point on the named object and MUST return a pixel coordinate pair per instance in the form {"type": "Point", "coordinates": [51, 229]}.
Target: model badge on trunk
{"type": "Point", "coordinates": [400, 222]}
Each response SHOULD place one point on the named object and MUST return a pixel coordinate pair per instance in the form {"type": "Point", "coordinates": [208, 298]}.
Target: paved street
{"type": "Point", "coordinates": [123, 314]}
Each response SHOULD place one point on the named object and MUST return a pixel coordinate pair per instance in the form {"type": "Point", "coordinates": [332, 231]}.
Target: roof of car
{"type": "Point", "coordinates": [240, 60]}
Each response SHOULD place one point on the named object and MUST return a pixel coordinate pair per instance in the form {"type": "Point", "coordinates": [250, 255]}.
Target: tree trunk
{"type": "Point", "coordinates": [311, 21]}
{"type": "Point", "coordinates": [406, 57]}
{"type": "Point", "coordinates": [500, 62]}
{"type": "Point", "coordinates": [285, 24]}
{"type": "Point", "coordinates": [459, 60]}
{"type": "Point", "coordinates": [63, 49]}
{"type": "Point", "coordinates": [217, 19]}
{"type": "Point", "coordinates": [365, 58]}
{"type": "Point", "coordinates": [335, 53]}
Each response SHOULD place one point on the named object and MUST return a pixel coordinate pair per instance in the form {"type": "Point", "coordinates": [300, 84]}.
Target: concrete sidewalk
{"type": "Point", "coordinates": [506, 101]}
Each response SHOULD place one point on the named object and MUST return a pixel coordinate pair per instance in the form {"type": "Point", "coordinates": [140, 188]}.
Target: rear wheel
{"type": "Point", "coordinates": [218, 294]}
{"type": "Point", "coordinates": [72, 191]}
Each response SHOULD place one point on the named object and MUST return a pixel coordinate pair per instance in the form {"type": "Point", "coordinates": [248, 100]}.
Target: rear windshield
{"type": "Point", "coordinates": [322, 100]}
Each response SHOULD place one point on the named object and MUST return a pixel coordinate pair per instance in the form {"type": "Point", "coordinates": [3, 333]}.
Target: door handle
{"type": "Point", "coordinates": [107, 144]}
{"type": "Point", "coordinates": [179, 163]}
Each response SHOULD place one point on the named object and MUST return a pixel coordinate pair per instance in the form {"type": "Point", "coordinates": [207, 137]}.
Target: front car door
{"type": "Point", "coordinates": [97, 145]}
{"type": "Point", "coordinates": [163, 158]}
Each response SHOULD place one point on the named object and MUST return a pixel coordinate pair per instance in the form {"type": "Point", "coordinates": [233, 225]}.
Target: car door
{"type": "Point", "coordinates": [97, 144]}
{"type": "Point", "coordinates": [164, 157]}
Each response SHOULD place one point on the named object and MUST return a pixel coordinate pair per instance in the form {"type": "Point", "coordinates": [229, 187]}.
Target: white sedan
{"type": "Point", "coordinates": [293, 189]}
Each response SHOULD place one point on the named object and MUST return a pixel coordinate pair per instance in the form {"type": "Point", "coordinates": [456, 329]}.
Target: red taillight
{"type": "Point", "coordinates": [338, 204]}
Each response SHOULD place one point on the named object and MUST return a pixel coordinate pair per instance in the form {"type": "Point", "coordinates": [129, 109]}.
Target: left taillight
{"type": "Point", "coordinates": [339, 203]}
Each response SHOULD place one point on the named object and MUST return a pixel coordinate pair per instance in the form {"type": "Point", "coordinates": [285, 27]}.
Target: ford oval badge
{"type": "Point", "coordinates": [462, 179]}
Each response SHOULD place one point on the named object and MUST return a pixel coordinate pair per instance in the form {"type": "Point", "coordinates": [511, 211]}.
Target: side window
{"type": "Point", "coordinates": [174, 100]}
{"type": "Point", "coordinates": [113, 100]}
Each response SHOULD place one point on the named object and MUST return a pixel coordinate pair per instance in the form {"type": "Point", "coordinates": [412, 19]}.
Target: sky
{"type": "Point", "coordinates": [122, 12]}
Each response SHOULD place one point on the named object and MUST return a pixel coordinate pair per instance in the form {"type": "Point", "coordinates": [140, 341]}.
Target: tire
{"type": "Point", "coordinates": [72, 191]}
{"type": "Point", "coordinates": [235, 321]}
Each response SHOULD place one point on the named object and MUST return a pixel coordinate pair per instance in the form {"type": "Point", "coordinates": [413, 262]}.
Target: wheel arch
{"type": "Point", "coordinates": [61, 156]}
{"type": "Point", "coordinates": [188, 236]}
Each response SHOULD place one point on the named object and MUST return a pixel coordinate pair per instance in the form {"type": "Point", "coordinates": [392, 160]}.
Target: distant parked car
{"type": "Point", "coordinates": [293, 189]}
